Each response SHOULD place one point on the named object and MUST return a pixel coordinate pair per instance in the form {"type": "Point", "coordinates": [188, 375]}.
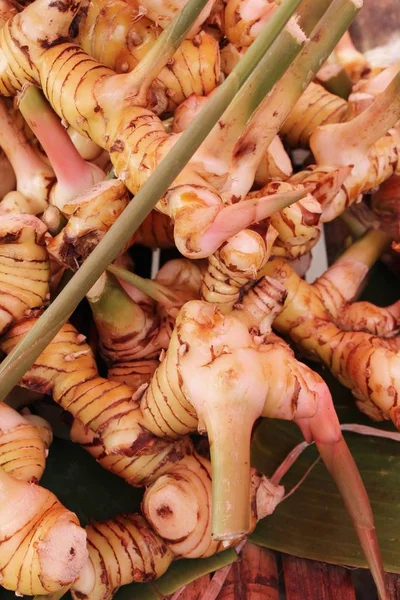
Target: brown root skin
{"type": "Point", "coordinates": [156, 231]}
{"type": "Point", "coordinates": [24, 268]}
{"type": "Point", "coordinates": [42, 546]}
{"type": "Point", "coordinates": [22, 449]}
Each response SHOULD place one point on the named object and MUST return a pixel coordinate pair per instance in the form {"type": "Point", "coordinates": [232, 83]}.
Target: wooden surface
{"type": "Point", "coordinates": [256, 576]}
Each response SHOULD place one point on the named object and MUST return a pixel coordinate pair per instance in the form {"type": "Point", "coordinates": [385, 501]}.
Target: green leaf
{"type": "Point", "coordinates": [180, 573]}
{"type": "Point", "coordinates": [313, 522]}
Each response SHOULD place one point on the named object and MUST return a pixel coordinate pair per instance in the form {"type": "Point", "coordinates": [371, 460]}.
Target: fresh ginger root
{"type": "Point", "coordinates": [119, 35]}
{"type": "Point", "coordinates": [366, 364]}
{"type": "Point", "coordinates": [42, 546]}
{"type": "Point", "coordinates": [177, 508]}
{"type": "Point", "coordinates": [133, 135]}
{"type": "Point", "coordinates": [22, 448]}
{"type": "Point", "coordinates": [121, 550]}
{"type": "Point", "coordinates": [90, 216]}
{"type": "Point", "coordinates": [24, 268]}
{"type": "Point", "coordinates": [316, 106]}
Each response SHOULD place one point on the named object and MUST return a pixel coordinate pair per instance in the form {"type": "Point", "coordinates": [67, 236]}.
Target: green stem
{"type": "Point", "coordinates": [26, 352]}
{"type": "Point", "coordinates": [155, 290]}
{"type": "Point", "coordinates": [229, 433]}
{"type": "Point", "coordinates": [269, 70]}
{"type": "Point", "coordinates": [271, 114]}
{"type": "Point", "coordinates": [310, 12]}
{"type": "Point", "coordinates": [113, 309]}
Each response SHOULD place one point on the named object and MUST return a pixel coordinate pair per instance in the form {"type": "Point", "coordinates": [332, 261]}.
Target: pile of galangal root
{"type": "Point", "coordinates": [93, 97]}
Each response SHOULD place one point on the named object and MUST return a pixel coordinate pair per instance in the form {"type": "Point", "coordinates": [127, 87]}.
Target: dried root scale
{"type": "Point", "coordinates": [152, 456]}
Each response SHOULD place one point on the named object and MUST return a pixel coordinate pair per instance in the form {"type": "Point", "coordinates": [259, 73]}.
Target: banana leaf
{"type": "Point", "coordinates": [313, 522]}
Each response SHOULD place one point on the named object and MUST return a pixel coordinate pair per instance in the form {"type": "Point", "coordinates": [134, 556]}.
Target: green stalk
{"type": "Point", "coordinates": [230, 469]}
{"type": "Point", "coordinates": [114, 312]}
{"type": "Point", "coordinates": [26, 352]}
{"type": "Point", "coordinates": [271, 68]}
{"type": "Point", "coordinates": [310, 12]}
{"type": "Point", "coordinates": [155, 290]}
{"type": "Point", "coordinates": [272, 113]}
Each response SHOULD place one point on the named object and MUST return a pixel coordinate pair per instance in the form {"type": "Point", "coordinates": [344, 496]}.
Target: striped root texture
{"type": "Point", "coordinates": [233, 266]}
{"type": "Point", "coordinates": [297, 227]}
{"type": "Point", "coordinates": [22, 449]}
{"type": "Point", "coordinates": [244, 20]}
{"type": "Point", "coordinates": [151, 459]}
{"type": "Point", "coordinates": [381, 162]}
{"type": "Point", "coordinates": [24, 268]}
{"type": "Point", "coordinates": [178, 506]}
{"type": "Point", "coordinates": [128, 327]}
{"type": "Point", "coordinates": [85, 95]}
{"type": "Point", "coordinates": [339, 285]}
{"type": "Point", "coordinates": [366, 364]}
{"type": "Point", "coordinates": [90, 216]}
{"type": "Point", "coordinates": [68, 371]}
{"type": "Point", "coordinates": [121, 550]}
{"type": "Point", "coordinates": [156, 231]}
{"type": "Point", "coordinates": [315, 107]}
{"type": "Point", "coordinates": [259, 306]}
{"type": "Point", "coordinates": [134, 373]}
{"type": "Point", "coordinates": [119, 35]}
{"type": "Point", "coordinates": [42, 546]}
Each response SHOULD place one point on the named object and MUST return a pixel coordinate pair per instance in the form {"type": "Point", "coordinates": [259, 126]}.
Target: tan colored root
{"type": "Point", "coordinates": [22, 449]}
